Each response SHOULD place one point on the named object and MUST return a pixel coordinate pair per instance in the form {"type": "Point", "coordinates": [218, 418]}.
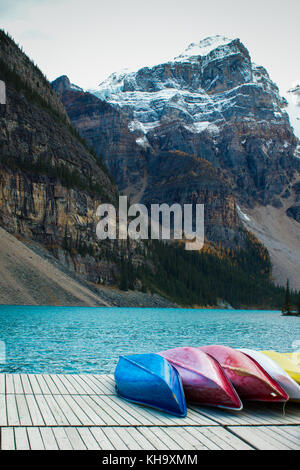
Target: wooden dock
{"type": "Point", "coordinates": [84, 412]}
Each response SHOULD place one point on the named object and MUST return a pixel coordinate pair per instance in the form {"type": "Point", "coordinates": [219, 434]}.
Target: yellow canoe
{"type": "Point", "coordinates": [295, 357]}
{"type": "Point", "coordinates": [290, 362]}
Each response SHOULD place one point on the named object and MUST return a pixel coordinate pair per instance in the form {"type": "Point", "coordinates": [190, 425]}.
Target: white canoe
{"type": "Point", "coordinates": [274, 370]}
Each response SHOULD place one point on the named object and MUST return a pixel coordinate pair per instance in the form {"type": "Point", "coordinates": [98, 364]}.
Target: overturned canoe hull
{"type": "Point", "coordinates": [249, 379]}
{"type": "Point", "coordinates": [274, 370]}
{"type": "Point", "coordinates": [288, 362]}
{"type": "Point", "coordinates": [149, 380]}
{"type": "Point", "coordinates": [204, 380]}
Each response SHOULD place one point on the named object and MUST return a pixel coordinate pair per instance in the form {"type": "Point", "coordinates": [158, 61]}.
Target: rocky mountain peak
{"type": "Point", "coordinates": [219, 46]}
{"type": "Point", "coordinates": [62, 84]}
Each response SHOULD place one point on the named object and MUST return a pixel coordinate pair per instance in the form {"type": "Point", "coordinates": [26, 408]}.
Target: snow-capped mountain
{"type": "Point", "coordinates": [209, 126]}
{"type": "Point", "coordinates": [293, 109]}
{"type": "Point", "coordinates": [201, 88]}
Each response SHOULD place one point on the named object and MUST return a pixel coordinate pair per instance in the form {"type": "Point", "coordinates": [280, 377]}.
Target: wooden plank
{"type": "Point", "coordinates": [70, 390]}
{"type": "Point", "coordinates": [140, 414]}
{"type": "Point", "coordinates": [9, 383]}
{"type": "Point", "coordinates": [48, 438]}
{"type": "Point", "coordinates": [18, 384]}
{"type": "Point", "coordinates": [84, 419]}
{"type": "Point", "coordinates": [181, 438]}
{"type": "Point", "coordinates": [2, 384]}
{"type": "Point", "coordinates": [102, 440]}
{"type": "Point", "coordinates": [36, 389]}
{"type": "Point", "coordinates": [126, 437]}
{"type": "Point", "coordinates": [36, 417]}
{"type": "Point", "coordinates": [73, 420]}
{"type": "Point", "coordinates": [51, 384]}
{"type": "Point", "coordinates": [46, 412]}
{"type": "Point", "coordinates": [199, 434]}
{"type": "Point", "coordinates": [253, 415]}
{"type": "Point", "coordinates": [26, 384]}
{"type": "Point", "coordinates": [59, 384]}
{"type": "Point", "coordinates": [140, 439]}
{"type": "Point", "coordinates": [163, 434]}
{"type": "Point", "coordinates": [224, 440]}
{"type": "Point", "coordinates": [75, 438]}
{"type": "Point", "coordinates": [7, 439]}
{"type": "Point", "coordinates": [3, 412]}
{"type": "Point", "coordinates": [153, 438]}
{"type": "Point", "coordinates": [282, 437]}
{"type": "Point", "coordinates": [81, 387]}
{"type": "Point", "coordinates": [104, 403]}
{"type": "Point", "coordinates": [256, 437]}
{"type": "Point", "coordinates": [88, 438]}
{"type": "Point", "coordinates": [21, 439]}
{"type": "Point", "coordinates": [94, 403]}
{"type": "Point", "coordinates": [115, 439]}
{"type": "Point", "coordinates": [23, 411]}
{"type": "Point", "coordinates": [196, 442]}
{"type": "Point", "coordinates": [106, 387]}
{"type": "Point", "coordinates": [90, 384]}
{"type": "Point", "coordinates": [90, 412]}
{"type": "Point", "coordinates": [35, 438]}
{"type": "Point", "coordinates": [228, 437]}
{"type": "Point", "coordinates": [86, 389]}
{"type": "Point", "coordinates": [145, 416]}
{"type": "Point", "coordinates": [73, 387]}
{"type": "Point", "coordinates": [114, 405]}
{"type": "Point", "coordinates": [62, 439]}
{"type": "Point", "coordinates": [56, 410]}
{"type": "Point", "coordinates": [292, 431]}
{"type": "Point", "coordinates": [12, 411]}
{"type": "Point", "coordinates": [43, 384]}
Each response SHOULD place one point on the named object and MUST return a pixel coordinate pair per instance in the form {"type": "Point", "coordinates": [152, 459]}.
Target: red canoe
{"type": "Point", "coordinates": [203, 379]}
{"type": "Point", "coordinates": [249, 379]}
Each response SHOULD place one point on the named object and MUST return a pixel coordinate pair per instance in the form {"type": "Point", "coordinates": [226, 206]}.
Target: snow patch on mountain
{"type": "Point", "coordinates": [205, 47]}
{"type": "Point", "coordinates": [293, 109]}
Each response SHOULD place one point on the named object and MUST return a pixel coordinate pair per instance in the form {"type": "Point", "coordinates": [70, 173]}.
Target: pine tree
{"type": "Point", "coordinates": [298, 305]}
{"type": "Point", "coordinates": [287, 303]}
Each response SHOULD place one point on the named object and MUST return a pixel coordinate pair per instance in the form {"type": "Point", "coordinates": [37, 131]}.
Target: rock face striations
{"type": "Point", "coordinates": [208, 127]}
{"type": "Point", "coordinates": [50, 183]}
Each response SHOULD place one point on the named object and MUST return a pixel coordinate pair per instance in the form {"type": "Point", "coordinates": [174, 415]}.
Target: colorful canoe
{"type": "Point", "coordinates": [249, 379]}
{"type": "Point", "coordinates": [149, 380]}
{"type": "Point", "coordinates": [204, 380]}
{"type": "Point", "coordinates": [274, 370]}
{"type": "Point", "coordinates": [288, 363]}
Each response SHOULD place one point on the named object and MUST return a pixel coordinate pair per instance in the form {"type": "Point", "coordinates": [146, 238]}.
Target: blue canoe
{"type": "Point", "coordinates": [150, 380]}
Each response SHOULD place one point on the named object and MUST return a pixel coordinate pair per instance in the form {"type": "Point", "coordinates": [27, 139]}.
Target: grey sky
{"type": "Point", "coordinates": [89, 39]}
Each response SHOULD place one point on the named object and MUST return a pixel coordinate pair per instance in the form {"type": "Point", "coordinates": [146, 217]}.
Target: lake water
{"type": "Point", "coordinates": [79, 340]}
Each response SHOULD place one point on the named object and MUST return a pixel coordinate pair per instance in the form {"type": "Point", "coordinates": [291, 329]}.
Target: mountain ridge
{"type": "Point", "coordinates": [219, 107]}
{"type": "Point", "coordinates": [51, 184]}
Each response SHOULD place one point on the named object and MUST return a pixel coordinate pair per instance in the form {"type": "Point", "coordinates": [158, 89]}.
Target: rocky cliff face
{"type": "Point", "coordinates": [50, 183]}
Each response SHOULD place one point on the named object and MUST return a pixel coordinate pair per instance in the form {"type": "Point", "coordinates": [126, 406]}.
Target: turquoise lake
{"type": "Point", "coordinates": [90, 340]}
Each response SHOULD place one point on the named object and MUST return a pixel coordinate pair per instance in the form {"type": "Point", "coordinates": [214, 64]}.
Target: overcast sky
{"type": "Point", "coordinates": [89, 39]}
